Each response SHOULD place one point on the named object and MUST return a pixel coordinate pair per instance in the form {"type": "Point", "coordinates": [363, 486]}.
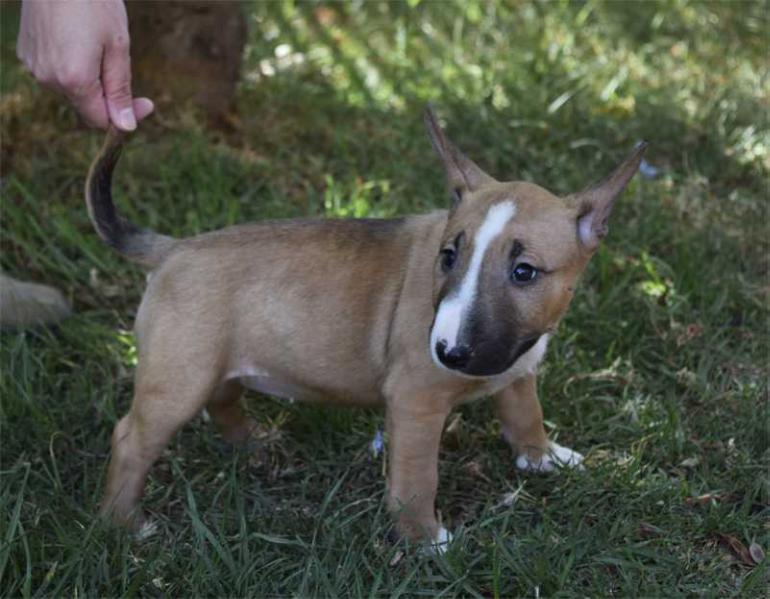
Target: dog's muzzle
{"type": "Point", "coordinates": [488, 359]}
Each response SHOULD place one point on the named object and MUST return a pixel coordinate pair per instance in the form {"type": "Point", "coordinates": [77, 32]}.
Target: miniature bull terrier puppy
{"type": "Point", "coordinates": [417, 314]}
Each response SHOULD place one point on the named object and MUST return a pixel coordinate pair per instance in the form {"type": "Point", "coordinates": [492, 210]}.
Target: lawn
{"type": "Point", "coordinates": [659, 373]}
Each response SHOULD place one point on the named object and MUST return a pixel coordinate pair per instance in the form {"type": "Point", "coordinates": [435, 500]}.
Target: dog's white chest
{"type": "Point", "coordinates": [527, 363]}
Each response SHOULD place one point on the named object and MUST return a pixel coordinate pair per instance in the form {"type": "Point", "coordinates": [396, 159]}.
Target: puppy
{"type": "Point", "coordinates": [417, 314]}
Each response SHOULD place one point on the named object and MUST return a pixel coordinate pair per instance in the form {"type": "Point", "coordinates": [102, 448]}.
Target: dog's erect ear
{"type": "Point", "coordinates": [595, 203]}
{"type": "Point", "coordinates": [463, 175]}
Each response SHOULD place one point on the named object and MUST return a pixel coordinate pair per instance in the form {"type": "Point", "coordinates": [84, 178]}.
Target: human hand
{"type": "Point", "coordinates": [81, 48]}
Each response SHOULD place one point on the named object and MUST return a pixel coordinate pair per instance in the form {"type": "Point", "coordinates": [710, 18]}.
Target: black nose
{"type": "Point", "coordinates": [455, 358]}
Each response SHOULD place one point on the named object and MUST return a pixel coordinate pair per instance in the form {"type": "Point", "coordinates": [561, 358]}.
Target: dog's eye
{"type": "Point", "coordinates": [448, 259]}
{"type": "Point", "coordinates": [524, 273]}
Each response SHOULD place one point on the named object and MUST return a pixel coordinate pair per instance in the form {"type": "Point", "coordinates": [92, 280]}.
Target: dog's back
{"type": "Point", "coordinates": [243, 287]}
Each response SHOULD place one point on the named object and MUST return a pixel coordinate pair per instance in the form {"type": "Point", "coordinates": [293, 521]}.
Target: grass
{"type": "Point", "coordinates": [659, 373]}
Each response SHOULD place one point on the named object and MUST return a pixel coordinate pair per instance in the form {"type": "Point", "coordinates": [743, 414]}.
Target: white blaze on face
{"type": "Point", "coordinates": [456, 306]}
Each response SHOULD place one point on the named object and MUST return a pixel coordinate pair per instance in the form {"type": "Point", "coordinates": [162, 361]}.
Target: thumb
{"type": "Point", "coordinates": [116, 80]}
{"type": "Point", "coordinates": [143, 107]}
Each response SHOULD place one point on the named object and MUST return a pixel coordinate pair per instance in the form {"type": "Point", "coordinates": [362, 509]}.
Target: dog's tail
{"type": "Point", "coordinates": [142, 246]}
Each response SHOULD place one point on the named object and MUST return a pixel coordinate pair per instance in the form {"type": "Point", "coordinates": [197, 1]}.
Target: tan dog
{"type": "Point", "coordinates": [418, 314]}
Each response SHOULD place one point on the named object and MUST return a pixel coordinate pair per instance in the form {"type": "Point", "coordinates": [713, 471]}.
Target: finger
{"type": "Point", "coordinates": [143, 107]}
{"type": "Point", "coordinates": [89, 102]}
{"type": "Point", "coordinates": [116, 79]}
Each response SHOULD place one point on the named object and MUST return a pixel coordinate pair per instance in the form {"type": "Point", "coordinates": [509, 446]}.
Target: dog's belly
{"type": "Point", "coordinates": [275, 387]}
{"type": "Point", "coordinates": [281, 387]}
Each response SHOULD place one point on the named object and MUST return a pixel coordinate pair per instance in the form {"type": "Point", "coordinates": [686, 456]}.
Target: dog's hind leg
{"type": "Point", "coordinates": [160, 408]}
{"type": "Point", "coordinates": [226, 409]}
{"type": "Point", "coordinates": [521, 416]}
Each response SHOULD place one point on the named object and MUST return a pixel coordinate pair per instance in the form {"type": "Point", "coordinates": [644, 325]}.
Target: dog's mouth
{"type": "Point", "coordinates": [490, 359]}
{"type": "Point", "coordinates": [492, 363]}
{"type": "Point", "coordinates": [524, 347]}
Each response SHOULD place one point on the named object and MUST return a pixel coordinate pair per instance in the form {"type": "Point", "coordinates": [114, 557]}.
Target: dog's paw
{"type": "Point", "coordinates": [439, 544]}
{"type": "Point", "coordinates": [557, 456]}
{"type": "Point", "coordinates": [145, 530]}
{"type": "Point", "coordinates": [442, 540]}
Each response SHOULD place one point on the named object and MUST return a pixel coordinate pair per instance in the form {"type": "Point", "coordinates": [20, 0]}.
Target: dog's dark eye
{"type": "Point", "coordinates": [524, 273]}
{"type": "Point", "coordinates": [448, 259]}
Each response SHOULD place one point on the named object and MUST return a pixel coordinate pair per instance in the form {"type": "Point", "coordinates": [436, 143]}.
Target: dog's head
{"type": "Point", "coordinates": [509, 260]}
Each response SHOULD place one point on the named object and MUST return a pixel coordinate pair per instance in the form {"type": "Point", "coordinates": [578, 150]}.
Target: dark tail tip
{"type": "Point", "coordinates": [111, 227]}
{"type": "Point", "coordinates": [145, 247]}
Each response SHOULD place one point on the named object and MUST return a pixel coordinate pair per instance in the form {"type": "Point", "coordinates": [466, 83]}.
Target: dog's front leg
{"type": "Point", "coordinates": [414, 434]}
{"type": "Point", "coordinates": [521, 417]}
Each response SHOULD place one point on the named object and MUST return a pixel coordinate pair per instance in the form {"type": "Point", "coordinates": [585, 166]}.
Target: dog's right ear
{"type": "Point", "coordinates": [463, 175]}
{"type": "Point", "coordinates": [595, 203]}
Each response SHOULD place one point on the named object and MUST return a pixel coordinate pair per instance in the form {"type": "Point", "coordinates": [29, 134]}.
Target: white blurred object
{"type": "Point", "coordinates": [647, 170]}
{"type": "Point", "coordinates": [378, 442]}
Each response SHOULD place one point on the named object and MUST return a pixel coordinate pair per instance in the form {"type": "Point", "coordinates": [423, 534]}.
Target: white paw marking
{"type": "Point", "coordinates": [440, 544]}
{"type": "Point", "coordinates": [149, 528]}
{"type": "Point", "coordinates": [557, 456]}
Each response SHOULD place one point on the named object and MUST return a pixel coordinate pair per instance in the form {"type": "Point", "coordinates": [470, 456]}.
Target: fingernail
{"type": "Point", "coordinates": [127, 119]}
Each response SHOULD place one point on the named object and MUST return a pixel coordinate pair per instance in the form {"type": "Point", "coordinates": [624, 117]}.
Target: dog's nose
{"type": "Point", "coordinates": [455, 358]}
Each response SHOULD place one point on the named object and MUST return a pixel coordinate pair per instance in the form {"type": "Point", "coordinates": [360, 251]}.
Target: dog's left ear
{"type": "Point", "coordinates": [595, 203]}
{"type": "Point", "coordinates": [463, 175]}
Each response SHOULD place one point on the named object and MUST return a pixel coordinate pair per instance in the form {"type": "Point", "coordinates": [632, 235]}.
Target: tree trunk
{"type": "Point", "coordinates": [188, 52]}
